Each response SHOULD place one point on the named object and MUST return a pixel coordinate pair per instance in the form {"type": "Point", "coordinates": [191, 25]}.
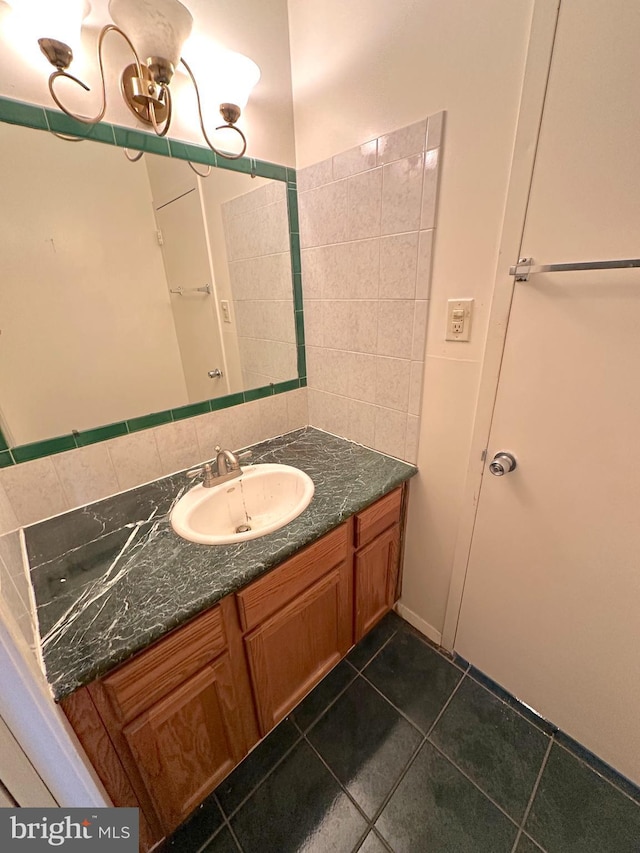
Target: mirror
{"type": "Point", "coordinates": [136, 288]}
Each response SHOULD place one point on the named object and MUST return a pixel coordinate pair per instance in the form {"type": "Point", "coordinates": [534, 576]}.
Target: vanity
{"type": "Point", "coordinates": [171, 659]}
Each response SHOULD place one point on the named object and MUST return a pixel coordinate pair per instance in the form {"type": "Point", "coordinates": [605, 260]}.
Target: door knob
{"type": "Point", "coordinates": [502, 463]}
{"type": "Point", "coordinates": [216, 373]}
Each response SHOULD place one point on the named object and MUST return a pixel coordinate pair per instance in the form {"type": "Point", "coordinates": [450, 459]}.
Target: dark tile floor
{"type": "Point", "coordinates": [400, 749]}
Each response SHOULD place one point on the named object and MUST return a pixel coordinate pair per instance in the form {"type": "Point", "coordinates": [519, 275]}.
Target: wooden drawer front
{"type": "Point", "coordinates": [264, 597]}
{"type": "Point", "coordinates": [294, 649]}
{"type": "Point", "coordinates": [376, 578]}
{"type": "Point", "coordinates": [188, 742]}
{"type": "Point", "coordinates": [376, 518]}
{"type": "Point", "coordinates": [140, 682]}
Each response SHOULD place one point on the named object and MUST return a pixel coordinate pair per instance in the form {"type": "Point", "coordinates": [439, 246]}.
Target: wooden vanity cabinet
{"type": "Point", "coordinates": [299, 623]}
{"type": "Point", "coordinates": [377, 560]}
{"type": "Point", "coordinates": [163, 729]}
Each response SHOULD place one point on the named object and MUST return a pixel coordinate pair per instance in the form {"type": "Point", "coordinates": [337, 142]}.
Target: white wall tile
{"type": "Point", "coordinates": [297, 408]}
{"type": "Point", "coordinates": [391, 432]}
{"type": "Point", "coordinates": [420, 329]}
{"type": "Point", "coordinates": [361, 372]}
{"type": "Point", "coordinates": [365, 205]}
{"type": "Point", "coordinates": [313, 333]}
{"type": "Point", "coordinates": [87, 474]}
{"type": "Point", "coordinates": [398, 266]}
{"type": "Point", "coordinates": [329, 412]}
{"type": "Point", "coordinates": [415, 387]}
{"type": "Point", "coordinates": [323, 215]}
{"type": "Point", "coordinates": [362, 422]}
{"type": "Point", "coordinates": [402, 143]}
{"type": "Point", "coordinates": [402, 195]}
{"type": "Point", "coordinates": [315, 175]}
{"type": "Point", "coordinates": [395, 328]}
{"type": "Point", "coordinates": [316, 266]}
{"type": "Point", "coordinates": [435, 131]}
{"type": "Point", "coordinates": [350, 325]}
{"type": "Point", "coordinates": [355, 160]}
{"type": "Point", "coordinates": [392, 383]}
{"type": "Point", "coordinates": [423, 279]}
{"type": "Point", "coordinates": [8, 518]}
{"type": "Point", "coordinates": [353, 270]}
{"type": "Point", "coordinates": [34, 490]}
{"type": "Point", "coordinates": [328, 370]}
{"type": "Point", "coordinates": [413, 435]}
{"type": "Point", "coordinates": [430, 189]}
{"type": "Point", "coordinates": [135, 458]}
{"type": "Point", "coordinates": [177, 445]}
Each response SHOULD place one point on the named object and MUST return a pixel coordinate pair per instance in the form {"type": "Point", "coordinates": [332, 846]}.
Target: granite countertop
{"type": "Point", "coordinates": [112, 577]}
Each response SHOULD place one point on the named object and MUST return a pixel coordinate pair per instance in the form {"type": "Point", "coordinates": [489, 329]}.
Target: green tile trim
{"type": "Point", "coordinates": [289, 385]}
{"type": "Point", "coordinates": [270, 170]}
{"type": "Point", "coordinates": [104, 433]}
{"type": "Point", "coordinates": [127, 138]}
{"type": "Point", "coordinates": [299, 316]}
{"type": "Point", "coordinates": [191, 410]}
{"type": "Point", "coordinates": [302, 362]}
{"type": "Point", "coordinates": [148, 421]}
{"type": "Point", "coordinates": [62, 123]}
{"type": "Point", "coordinates": [27, 115]}
{"type": "Point", "coordinates": [226, 402]}
{"type": "Point", "coordinates": [40, 118]}
{"type": "Point", "coordinates": [193, 153]}
{"type": "Point", "coordinates": [27, 452]}
{"type": "Point", "coordinates": [258, 393]}
{"type": "Point", "coordinates": [292, 201]}
{"type": "Point", "coordinates": [6, 459]}
{"type": "Point", "coordinates": [297, 293]}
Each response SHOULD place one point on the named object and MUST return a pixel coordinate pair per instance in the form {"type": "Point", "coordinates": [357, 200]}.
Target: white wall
{"type": "Point", "coordinates": [257, 28]}
{"type": "Point", "coordinates": [367, 67]}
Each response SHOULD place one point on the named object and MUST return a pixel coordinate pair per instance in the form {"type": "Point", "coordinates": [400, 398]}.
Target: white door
{"type": "Point", "coordinates": [188, 268]}
{"type": "Point", "coordinates": [551, 603]}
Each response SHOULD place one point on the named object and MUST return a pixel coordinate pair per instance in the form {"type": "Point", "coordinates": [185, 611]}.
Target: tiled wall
{"type": "Point", "coordinates": [14, 587]}
{"type": "Point", "coordinates": [367, 220]}
{"type": "Point", "coordinates": [35, 490]}
{"type": "Point", "coordinates": [257, 239]}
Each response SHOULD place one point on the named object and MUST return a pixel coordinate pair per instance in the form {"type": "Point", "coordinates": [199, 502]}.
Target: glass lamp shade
{"type": "Point", "coordinates": [238, 76]}
{"type": "Point", "coordinates": [157, 28]}
{"type": "Point", "coordinates": [45, 19]}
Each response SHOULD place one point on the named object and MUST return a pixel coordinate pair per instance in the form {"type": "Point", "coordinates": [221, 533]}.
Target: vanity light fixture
{"type": "Point", "coordinates": [155, 31]}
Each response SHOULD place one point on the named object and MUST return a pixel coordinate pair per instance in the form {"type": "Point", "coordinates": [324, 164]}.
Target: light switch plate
{"type": "Point", "coordinates": [459, 314]}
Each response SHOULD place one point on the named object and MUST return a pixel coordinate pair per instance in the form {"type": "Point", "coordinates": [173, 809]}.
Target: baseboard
{"type": "Point", "coordinates": [418, 623]}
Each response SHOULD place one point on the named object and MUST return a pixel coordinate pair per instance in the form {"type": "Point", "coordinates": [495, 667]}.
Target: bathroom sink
{"type": "Point", "coordinates": [262, 499]}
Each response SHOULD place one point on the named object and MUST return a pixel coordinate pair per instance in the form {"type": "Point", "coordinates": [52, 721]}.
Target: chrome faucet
{"type": "Point", "coordinates": [227, 468]}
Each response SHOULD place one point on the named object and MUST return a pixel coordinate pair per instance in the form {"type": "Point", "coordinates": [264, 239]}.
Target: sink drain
{"type": "Point", "coordinates": [243, 528]}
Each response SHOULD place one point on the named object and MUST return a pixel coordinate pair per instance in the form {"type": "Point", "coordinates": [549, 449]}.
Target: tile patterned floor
{"type": "Point", "coordinates": [401, 749]}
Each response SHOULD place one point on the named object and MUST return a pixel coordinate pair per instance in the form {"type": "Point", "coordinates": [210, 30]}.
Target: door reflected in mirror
{"type": "Point", "coordinates": [132, 288]}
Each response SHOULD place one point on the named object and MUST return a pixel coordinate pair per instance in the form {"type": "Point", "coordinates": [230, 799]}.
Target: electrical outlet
{"type": "Point", "coordinates": [459, 313]}
{"type": "Point", "coordinates": [226, 311]}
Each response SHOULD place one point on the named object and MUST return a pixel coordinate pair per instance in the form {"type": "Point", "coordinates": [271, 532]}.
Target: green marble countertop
{"type": "Point", "coordinates": [112, 577]}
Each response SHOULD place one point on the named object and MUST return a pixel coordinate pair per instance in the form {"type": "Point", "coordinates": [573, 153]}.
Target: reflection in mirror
{"type": "Point", "coordinates": [134, 288]}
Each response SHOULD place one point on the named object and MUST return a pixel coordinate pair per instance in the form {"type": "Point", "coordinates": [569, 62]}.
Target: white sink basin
{"type": "Point", "coordinates": [263, 498]}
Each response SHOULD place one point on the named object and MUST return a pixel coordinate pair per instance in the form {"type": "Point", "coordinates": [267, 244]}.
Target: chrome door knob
{"type": "Point", "coordinates": [502, 463]}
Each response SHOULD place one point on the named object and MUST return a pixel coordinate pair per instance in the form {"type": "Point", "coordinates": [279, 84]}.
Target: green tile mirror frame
{"type": "Point", "coordinates": [241, 289]}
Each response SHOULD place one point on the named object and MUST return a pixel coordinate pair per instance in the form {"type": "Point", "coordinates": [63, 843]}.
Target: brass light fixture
{"type": "Point", "coordinates": [155, 32]}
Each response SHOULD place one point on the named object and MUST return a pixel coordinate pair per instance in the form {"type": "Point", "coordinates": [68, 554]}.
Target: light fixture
{"type": "Point", "coordinates": [155, 31]}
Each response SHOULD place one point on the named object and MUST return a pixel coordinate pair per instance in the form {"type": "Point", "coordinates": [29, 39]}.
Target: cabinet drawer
{"type": "Point", "coordinates": [376, 518]}
{"type": "Point", "coordinates": [263, 597]}
{"type": "Point", "coordinates": [140, 682]}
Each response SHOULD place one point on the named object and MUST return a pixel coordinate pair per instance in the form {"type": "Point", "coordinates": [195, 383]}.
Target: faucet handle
{"type": "Point", "coordinates": [205, 471]}
{"type": "Point", "coordinates": [246, 454]}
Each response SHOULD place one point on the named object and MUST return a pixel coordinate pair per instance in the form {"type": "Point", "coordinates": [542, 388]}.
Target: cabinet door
{"type": "Point", "coordinates": [376, 578]}
{"type": "Point", "coordinates": [188, 742]}
{"type": "Point", "coordinates": [290, 652]}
